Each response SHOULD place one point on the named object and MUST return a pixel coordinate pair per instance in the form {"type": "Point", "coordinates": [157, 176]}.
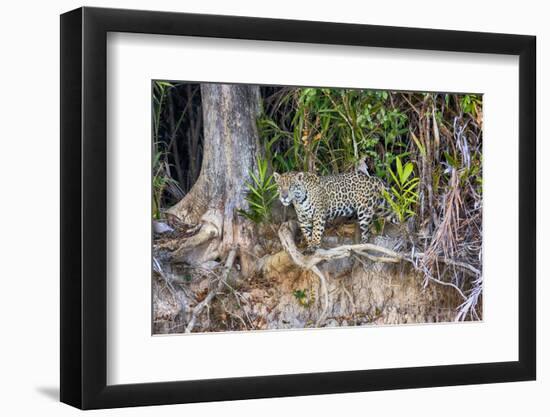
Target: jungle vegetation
{"type": "Point", "coordinates": [426, 146]}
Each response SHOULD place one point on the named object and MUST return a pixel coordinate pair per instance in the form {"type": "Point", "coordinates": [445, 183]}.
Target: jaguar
{"type": "Point", "coordinates": [317, 199]}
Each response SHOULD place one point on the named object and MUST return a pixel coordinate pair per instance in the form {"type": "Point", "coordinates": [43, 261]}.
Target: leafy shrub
{"type": "Point", "coordinates": [403, 195]}
{"type": "Point", "coordinates": [262, 192]}
{"type": "Point", "coordinates": [470, 103]}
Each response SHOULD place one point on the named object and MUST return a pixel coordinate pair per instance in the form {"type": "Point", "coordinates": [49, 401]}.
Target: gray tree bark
{"type": "Point", "coordinates": [231, 148]}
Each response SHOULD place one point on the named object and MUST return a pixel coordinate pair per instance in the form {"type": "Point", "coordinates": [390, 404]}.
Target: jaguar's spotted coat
{"type": "Point", "coordinates": [317, 199]}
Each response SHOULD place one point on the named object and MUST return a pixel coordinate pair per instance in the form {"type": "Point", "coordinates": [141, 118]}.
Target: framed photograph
{"type": "Point", "coordinates": [256, 208]}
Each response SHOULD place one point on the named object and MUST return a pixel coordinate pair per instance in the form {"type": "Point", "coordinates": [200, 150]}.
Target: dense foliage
{"type": "Point", "coordinates": [426, 146]}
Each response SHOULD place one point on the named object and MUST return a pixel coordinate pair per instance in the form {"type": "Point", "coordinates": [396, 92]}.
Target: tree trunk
{"type": "Point", "coordinates": [231, 148]}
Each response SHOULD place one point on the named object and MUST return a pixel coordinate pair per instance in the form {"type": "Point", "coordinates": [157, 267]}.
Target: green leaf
{"type": "Point", "coordinates": [399, 168]}
{"type": "Point", "coordinates": [256, 205]}
{"type": "Point", "coordinates": [255, 189]}
{"type": "Point", "coordinates": [451, 160]}
{"type": "Point", "coordinates": [420, 147]}
{"type": "Point", "coordinates": [393, 176]}
{"type": "Point", "coordinates": [407, 171]}
{"type": "Point", "coordinates": [163, 84]}
{"type": "Point", "coordinates": [256, 180]}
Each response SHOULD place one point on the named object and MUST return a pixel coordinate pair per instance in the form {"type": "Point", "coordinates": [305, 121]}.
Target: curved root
{"type": "Point", "coordinates": [286, 235]}
{"type": "Point", "coordinates": [209, 229]}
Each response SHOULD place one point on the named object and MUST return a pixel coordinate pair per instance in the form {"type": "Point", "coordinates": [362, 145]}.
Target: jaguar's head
{"type": "Point", "coordinates": [290, 187]}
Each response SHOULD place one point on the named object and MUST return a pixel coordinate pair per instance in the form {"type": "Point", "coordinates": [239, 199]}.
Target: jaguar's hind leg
{"type": "Point", "coordinates": [365, 217]}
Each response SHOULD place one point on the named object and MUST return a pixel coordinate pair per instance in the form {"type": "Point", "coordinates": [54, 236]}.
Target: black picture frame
{"type": "Point", "coordinates": [84, 207]}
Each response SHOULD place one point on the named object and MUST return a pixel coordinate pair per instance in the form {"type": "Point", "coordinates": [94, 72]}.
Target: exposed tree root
{"type": "Point", "coordinates": [374, 253]}
{"type": "Point", "coordinates": [202, 245]}
{"type": "Point", "coordinates": [286, 235]}
{"type": "Point", "coordinates": [290, 260]}
{"type": "Point", "coordinates": [206, 233]}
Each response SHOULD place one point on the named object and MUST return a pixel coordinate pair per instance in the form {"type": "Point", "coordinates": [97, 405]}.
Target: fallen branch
{"type": "Point", "coordinates": [200, 306]}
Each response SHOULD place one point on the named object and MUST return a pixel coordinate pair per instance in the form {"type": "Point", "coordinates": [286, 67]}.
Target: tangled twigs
{"type": "Point", "coordinates": [211, 294]}
{"type": "Point", "coordinates": [168, 281]}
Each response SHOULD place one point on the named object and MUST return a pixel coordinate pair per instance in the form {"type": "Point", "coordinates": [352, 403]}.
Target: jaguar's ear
{"type": "Point", "coordinates": [300, 176]}
{"type": "Point", "coordinates": [276, 177]}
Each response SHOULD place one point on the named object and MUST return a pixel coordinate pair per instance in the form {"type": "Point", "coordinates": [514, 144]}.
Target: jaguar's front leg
{"type": "Point", "coordinates": [306, 232]}
{"type": "Point", "coordinates": [305, 227]}
{"type": "Point", "coordinates": [317, 233]}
